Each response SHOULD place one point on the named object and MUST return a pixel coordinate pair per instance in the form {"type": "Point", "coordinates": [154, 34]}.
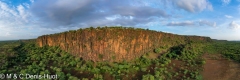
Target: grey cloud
{"type": "Point", "coordinates": [55, 13]}
{"type": "Point", "coordinates": [58, 12]}
{"type": "Point", "coordinates": [92, 12]}
{"type": "Point", "coordinates": [185, 23]}
{"type": "Point", "coordinates": [193, 5]}
{"type": "Point", "coordinates": [233, 25]}
{"type": "Point", "coordinates": [193, 23]}
{"type": "Point", "coordinates": [207, 23]}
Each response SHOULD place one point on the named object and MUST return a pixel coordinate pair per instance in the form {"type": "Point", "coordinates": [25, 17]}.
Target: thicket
{"type": "Point", "coordinates": [31, 59]}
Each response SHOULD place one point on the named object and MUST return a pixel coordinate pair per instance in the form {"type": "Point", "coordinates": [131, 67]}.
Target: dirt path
{"type": "Point", "coordinates": [219, 68]}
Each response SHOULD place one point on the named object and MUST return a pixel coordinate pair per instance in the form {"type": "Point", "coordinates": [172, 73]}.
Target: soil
{"type": "Point", "coordinates": [219, 68]}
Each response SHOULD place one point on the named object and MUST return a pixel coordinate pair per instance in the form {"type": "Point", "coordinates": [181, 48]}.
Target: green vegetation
{"type": "Point", "coordinates": [173, 60]}
{"type": "Point", "coordinates": [157, 50]}
{"type": "Point", "coordinates": [31, 59]}
{"type": "Point", "coordinates": [230, 50]}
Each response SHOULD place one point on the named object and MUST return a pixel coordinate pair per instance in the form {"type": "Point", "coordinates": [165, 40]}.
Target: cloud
{"type": "Point", "coordinates": [38, 17]}
{"type": "Point", "coordinates": [32, 1]}
{"type": "Point", "coordinates": [193, 5]}
{"type": "Point", "coordinates": [14, 21]}
{"type": "Point", "coordinates": [225, 2]}
{"type": "Point", "coordinates": [207, 23]}
{"type": "Point", "coordinates": [233, 25]}
{"type": "Point", "coordinates": [10, 14]}
{"type": "Point", "coordinates": [81, 13]}
{"type": "Point", "coordinates": [185, 23]}
{"type": "Point", "coordinates": [24, 20]}
{"type": "Point", "coordinates": [7, 34]}
{"type": "Point", "coordinates": [193, 23]}
{"type": "Point", "coordinates": [228, 16]}
{"type": "Point", "coordinates": [91, 12]}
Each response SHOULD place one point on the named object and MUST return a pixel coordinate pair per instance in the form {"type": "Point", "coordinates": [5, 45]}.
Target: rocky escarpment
{"type": "Point", "coordinates": [113, 43]}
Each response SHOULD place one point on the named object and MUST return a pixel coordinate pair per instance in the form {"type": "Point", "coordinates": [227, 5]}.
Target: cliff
{"type": "Point", "coordinates": [113, 43]}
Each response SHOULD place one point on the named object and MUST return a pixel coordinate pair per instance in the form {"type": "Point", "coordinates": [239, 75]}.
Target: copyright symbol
{"type": "Point", "coordinates": [2, 76]}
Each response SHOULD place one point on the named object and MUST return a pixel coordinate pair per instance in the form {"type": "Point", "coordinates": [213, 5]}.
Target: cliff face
{"type": "Point", "coordinates": [112, 44]}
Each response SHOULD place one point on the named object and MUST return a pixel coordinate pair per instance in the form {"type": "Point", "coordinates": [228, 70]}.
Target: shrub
{"type": "Point", "coordinates": [157, 50]}
{"type": "Point", "coordinates": [148, 77]}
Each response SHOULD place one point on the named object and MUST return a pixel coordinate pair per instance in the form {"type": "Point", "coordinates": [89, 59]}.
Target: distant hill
{"type": "Point", "coordinates": [8, 40]}
{"type": "Point", "coordinates": [235, 41]}
{"type": "Point", "coordinates": [23, 40]}
{"type": "Point", "coordinates": [114, 43]}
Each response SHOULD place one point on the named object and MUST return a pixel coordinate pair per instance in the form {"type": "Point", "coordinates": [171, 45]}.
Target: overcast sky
{"type": "Point", "coordinates": [25, 19]}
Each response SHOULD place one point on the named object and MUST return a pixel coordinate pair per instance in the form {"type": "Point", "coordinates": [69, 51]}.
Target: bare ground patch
{"type": "Point", "coordinates": [219, 68]}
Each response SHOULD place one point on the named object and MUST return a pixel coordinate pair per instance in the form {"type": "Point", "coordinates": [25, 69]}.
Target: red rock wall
{"type": "Point", "coordinates": [111, 44]}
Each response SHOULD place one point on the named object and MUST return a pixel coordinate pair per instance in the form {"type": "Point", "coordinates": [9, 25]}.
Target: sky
{"type": "Point", "coordinates": [27, 19]}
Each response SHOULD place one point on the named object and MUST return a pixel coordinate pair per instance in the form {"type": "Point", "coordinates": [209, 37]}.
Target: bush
{"type": "Point", "coordinates": [148, 77]}
{"type": "Point", "coordinates": [157, 50]}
